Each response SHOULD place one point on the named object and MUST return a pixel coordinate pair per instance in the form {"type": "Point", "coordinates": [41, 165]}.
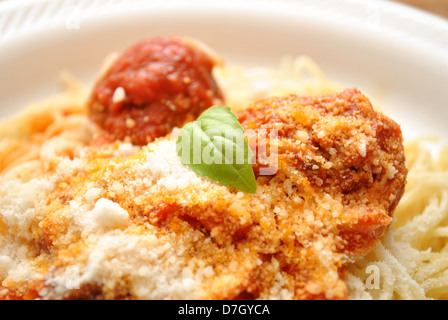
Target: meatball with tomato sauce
{"type": "Point", "coordinates": [155, 85]}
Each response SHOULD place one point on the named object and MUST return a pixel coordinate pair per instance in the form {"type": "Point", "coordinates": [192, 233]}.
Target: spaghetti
{"type": "Point", "coordinates": [412, 256]}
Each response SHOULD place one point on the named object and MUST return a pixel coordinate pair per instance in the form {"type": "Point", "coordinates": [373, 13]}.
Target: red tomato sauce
{"type": "Point", "coordinates": [167, 82]}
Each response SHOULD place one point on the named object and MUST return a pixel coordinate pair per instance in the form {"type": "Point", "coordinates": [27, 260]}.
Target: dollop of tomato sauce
{"type": "Point", "coordinates": [162, 83]}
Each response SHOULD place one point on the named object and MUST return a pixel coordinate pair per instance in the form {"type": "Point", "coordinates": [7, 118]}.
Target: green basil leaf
{"type": "Point", "coordinates": [215, 146]}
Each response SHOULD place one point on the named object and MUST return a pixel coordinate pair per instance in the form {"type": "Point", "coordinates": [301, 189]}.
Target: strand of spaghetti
{"type": "Point", "coordinates": [418, 228]}
{"type": "Point", "coordinates": [405, 286]}
{"type": "Point", "coordinates": [24, 171]}
{"type": "Point", "coordinates": [356, 288]}
{"type": "Point", "coordinates": [438, 286]}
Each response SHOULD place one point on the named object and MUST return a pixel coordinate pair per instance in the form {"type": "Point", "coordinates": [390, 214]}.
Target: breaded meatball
{"type": "Point", "coordinates": [342, 148]}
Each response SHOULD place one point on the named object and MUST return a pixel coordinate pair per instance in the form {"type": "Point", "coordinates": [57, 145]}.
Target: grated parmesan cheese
{"type": "Point", "coordinates": [93, 194]}
{"type": "Point", "coordinates": [362, 148]}
{"type": "Point", "coordinates": [165, 165]}
{"type": "Point", "coordinates": [109, 214]}
{"type": "Point", "coordinates": [119, 95]}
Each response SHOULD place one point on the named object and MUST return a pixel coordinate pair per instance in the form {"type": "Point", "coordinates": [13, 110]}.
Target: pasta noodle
{"type": "Point", "coordinates": [299, 75]}
{"type": "Point", "coordinates": [412, 257]}
{"type": "Point", "coordinates": [411, 260]}
{"type": "Point", "coordinates": [44, 129]}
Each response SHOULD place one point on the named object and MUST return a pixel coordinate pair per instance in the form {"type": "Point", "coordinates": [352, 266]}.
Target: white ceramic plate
{"type": "Point", "coordinates": [397, 55]}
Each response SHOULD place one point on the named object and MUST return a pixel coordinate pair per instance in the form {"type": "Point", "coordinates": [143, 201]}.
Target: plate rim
{"type": "Point", "coordinates": [21, 18]}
